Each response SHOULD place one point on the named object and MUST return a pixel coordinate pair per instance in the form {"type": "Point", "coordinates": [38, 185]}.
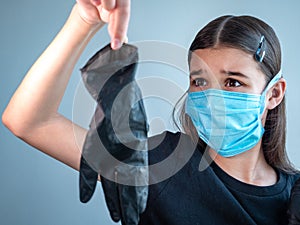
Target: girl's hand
{"type": "Point", "coordinates": [114, 12]}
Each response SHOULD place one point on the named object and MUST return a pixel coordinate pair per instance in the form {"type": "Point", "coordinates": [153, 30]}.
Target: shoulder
{"type": "Point", "coordinates": [291, 178]}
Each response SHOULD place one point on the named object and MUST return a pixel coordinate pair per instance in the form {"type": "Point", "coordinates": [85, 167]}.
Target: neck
{"type": "Point", "coordinates": [249, 167]}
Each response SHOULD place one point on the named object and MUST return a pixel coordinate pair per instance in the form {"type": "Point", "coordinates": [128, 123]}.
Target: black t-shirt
{"type": "Point", "coordinates": [183, 194]}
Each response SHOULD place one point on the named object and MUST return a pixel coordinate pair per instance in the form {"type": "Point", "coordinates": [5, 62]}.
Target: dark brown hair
{"type": "Point", "coordinates": [244, 33]}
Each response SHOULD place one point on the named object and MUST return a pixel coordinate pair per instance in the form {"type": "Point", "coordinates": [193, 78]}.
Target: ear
{"type": "Point", "coordinates": [276, 94]}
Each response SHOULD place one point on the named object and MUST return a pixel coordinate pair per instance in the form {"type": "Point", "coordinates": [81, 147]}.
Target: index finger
{"type": "Point", "coordinates": [119, 23]}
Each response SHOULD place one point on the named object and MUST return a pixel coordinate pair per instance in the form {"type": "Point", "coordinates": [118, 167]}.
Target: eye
{"type": "Point", "coordinates": [199, 82]}
{"type": "Point", "coordinates": [232, 83]}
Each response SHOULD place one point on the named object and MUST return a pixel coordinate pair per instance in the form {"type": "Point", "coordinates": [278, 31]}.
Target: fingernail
{"type": "Point", "coordinates": [126, 40]}
{"type": "Point", "coordinates": [116, 44]}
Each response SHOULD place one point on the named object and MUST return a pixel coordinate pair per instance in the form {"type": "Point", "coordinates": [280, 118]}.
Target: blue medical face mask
{"type": "Point", "coordinates": [229, 122]}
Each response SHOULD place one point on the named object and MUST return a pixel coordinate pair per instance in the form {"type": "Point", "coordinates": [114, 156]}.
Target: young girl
{"type": "Point", "coordinates": [248, 177]}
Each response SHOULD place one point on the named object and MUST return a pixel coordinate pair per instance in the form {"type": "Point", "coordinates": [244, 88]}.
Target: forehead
{"type": "Point", "coordinates": [218, 60]}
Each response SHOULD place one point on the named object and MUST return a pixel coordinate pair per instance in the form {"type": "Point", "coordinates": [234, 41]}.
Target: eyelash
{"type": "Point", "coordinates": [196, 82]}
{"type": "Point", "coordinates": [230, 80]}
{"type": "Point", "coordinates": [201, 82]}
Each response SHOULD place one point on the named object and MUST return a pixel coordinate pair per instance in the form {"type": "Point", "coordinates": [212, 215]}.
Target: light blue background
{"type": "Point", "coordinates": [35, 189]}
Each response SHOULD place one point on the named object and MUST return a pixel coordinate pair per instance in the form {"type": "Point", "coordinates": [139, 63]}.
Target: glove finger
{"type": "Point", "coordinates": [87, 181]}
{"type": "Point", "coordinates": [112, 198]}
{"type": "Point", "coordinates": [133, 200]}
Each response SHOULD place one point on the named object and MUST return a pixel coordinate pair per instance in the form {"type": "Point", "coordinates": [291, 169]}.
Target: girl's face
{"type": "Point", "coordinates": [225, 68]}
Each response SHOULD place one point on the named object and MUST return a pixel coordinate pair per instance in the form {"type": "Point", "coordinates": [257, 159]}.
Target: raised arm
{"type": "Point", "coordinates": [32, 113]}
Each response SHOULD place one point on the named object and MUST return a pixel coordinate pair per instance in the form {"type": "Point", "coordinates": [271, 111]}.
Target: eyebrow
{"type": "Point", "coordinates": [233, 73]}
{"type": "Point", "coordinates": [229, 73]}
{"type": "Point", "coordinates": [196, 72]}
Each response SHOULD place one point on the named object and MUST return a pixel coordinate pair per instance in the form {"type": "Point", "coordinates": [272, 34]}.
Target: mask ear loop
{"type": "Point", "coordinates": [274, 80]}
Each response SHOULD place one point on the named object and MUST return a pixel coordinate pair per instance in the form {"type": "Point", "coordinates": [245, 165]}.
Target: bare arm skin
{"type": "Point", "coordinates": [32, 113]}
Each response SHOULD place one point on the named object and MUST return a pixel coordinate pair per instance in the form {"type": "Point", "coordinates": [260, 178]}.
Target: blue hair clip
{"type": "Point", "coordinates": [260, 52]}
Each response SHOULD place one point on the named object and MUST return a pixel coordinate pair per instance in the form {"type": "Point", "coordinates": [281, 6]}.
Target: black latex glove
{"type": "Point", "coordinates": [116, 143]}
{"type": "Point", "coordinates": [294, 205]}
